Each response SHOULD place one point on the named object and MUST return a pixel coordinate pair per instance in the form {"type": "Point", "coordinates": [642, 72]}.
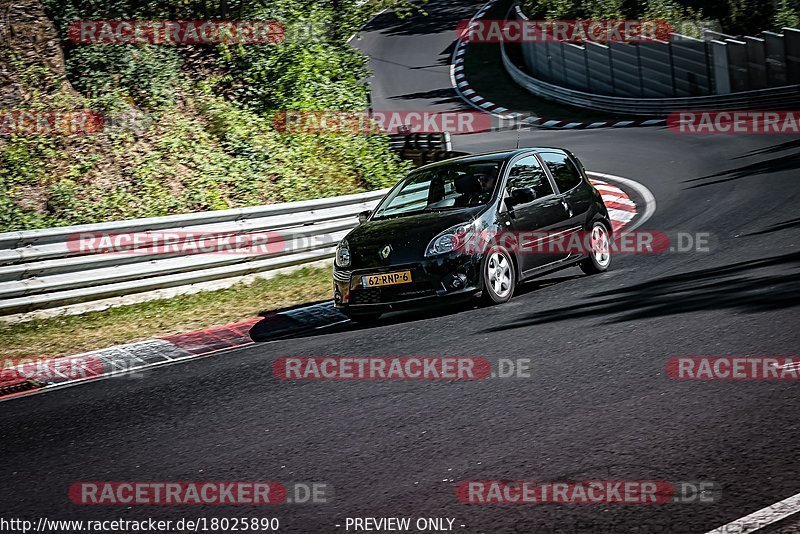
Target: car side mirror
{"type": "Point", "coordinates": [521, 195]}
{"type": "Point", "coordinates": [364, 215]}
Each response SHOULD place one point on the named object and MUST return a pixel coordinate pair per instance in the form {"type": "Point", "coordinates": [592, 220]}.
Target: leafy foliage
{"type": "Point", "coordinates": [207, 141]}
{"type": "Point", "coordinates": [736, 17]}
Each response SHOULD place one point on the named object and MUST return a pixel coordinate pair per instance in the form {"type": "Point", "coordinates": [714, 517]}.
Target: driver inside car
{"type": "Point", "coordinates": [474, 189]}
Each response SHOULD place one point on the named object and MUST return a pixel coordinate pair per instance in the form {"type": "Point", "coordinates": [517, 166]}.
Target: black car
{"type": "Point", "coordinates": [462, 228]}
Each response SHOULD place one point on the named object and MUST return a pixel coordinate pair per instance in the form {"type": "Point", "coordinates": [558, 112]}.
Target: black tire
{"type": "Point", "coordinates": [597, 263]}
{"type": "Point", "coordinates": [495, 291]}
{"type": "Point", "coordinates": [365, 317]}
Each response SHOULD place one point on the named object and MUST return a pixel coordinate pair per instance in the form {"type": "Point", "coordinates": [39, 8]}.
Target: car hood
{"type": "Point", "coordinates": [408, 236]}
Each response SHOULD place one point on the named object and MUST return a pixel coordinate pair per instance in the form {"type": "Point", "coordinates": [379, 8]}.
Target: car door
{"type": "Point", "coordinates": [572, 189]}
{"type": "Point", "coordinates": [545, 215]}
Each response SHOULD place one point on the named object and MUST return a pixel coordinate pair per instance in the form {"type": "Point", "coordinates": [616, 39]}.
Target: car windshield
{"type": "Point", "coordinates": [446, 187]}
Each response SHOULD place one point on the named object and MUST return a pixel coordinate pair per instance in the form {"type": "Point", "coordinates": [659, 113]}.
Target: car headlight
{"type": "Point", "coordinates": [343, 254]}
{"type": "Point", "coordinates": [449, 240]}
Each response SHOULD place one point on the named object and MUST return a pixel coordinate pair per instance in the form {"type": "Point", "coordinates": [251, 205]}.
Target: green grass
{"type": "Point", "coordinates": [484, 70]}
{"type": "Point", "coordinates": [67, 335]}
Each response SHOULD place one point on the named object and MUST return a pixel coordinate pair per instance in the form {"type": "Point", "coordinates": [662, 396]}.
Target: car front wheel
{"type": "Point", "coordinates": [499, 276]}
{"type": "Point", "coordinates": [600, 254]}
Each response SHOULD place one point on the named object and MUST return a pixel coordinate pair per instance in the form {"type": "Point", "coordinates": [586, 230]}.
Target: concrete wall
{"type": "Point", "coordinates": [682, 67]}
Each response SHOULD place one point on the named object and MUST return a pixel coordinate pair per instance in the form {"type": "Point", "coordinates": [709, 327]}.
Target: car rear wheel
{"type": "Point", "coordinates": [600, 255]}
{"type": "Point", "coordinates": [499, 276]}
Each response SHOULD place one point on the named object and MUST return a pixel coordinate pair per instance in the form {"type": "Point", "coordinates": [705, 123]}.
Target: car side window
{"type": "Point", "coordinates": [528, 172]}
{"type": "Point", "coordinates": [563, 170]}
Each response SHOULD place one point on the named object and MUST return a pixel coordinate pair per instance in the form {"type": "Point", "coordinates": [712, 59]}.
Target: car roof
{"type": "Point", "coordinates": [503, 155]}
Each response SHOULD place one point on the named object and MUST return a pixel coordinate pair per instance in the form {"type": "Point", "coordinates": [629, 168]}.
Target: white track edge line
{"type": "Point", "coordinates": [762, 518]}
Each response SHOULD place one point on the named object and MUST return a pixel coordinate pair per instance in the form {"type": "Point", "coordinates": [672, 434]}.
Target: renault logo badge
{"type": "Point", "coordinates": [385, 251]}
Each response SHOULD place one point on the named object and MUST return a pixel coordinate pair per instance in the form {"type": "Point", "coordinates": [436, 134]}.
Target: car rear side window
{"type": "Point", "coordinates": [563, 170]}
{"type": "Point", "coordinates": [528, 172]}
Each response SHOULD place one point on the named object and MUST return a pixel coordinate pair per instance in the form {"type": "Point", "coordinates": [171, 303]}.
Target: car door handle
{"type": "Point", "coordinates": [566, 207]}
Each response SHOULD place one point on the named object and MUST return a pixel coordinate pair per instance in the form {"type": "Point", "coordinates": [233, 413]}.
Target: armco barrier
{"type": "Point", "coordinates": [423, 148]}
{"type": "Point", "coordinates": [40, 270]}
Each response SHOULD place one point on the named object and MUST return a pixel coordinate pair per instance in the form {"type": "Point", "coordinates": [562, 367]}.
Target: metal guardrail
{"type": "Point", "coordinates": [780, 97]}
{"type": "Point", "coordinates": [423, 148]}
{"type": "Point", "coordinates": [41, 269]}
{"type": "Point", "coordinates": [423, 141]}
{"type": "Point", "coordinates": [46, 269]}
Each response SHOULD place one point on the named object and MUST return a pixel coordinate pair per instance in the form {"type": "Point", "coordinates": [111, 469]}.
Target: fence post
{"type": "Point", "coordinates": [722, 76]}
{"type": "Point", "coordinates": [776, 59]}
{"type": "Point", "coordinates": [756, 62]}
{"type": "Point", "coordinates": [737, 61]}
{"type": "Point", "coordinates": [791, 38]}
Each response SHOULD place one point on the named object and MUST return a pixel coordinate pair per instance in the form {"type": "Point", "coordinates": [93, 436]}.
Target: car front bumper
{"type": "Point", "coordinates": [456, 275]}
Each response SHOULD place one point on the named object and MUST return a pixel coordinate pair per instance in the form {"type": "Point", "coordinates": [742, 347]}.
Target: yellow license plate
{"type": "Point", "coordinates": [386, 279]}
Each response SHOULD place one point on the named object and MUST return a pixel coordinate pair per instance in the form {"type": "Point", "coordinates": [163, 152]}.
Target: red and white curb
{"type": "Point", "coordinates": [29, 377]}
{"type": "Point", "coordinates": [462, 86]}
{"type": "Point", "coordinates": [460, 82]}
{"type": "Point", "coordinates": [621, 209]}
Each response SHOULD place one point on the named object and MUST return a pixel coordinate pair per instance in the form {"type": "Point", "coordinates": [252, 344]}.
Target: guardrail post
{"type": "Point", "coordinates": [601, 80]}
{"type": "Point", "coordinates": [776, 59]}
{"type": "Point", "coordinates": [656, 69]}
{"type": "Point", "coordinates": [737, 61]}
{"type": "Point", "coordinates": [756, 62]}
{"type": "Point", "coordinates": [690, 66]}
{"type": "Point", "coordinates": [625, 69]}
{"type": "Point", "coordinates": [791, 38]}
{"type": "Point", "coordinates": [575, 67]}
{"type": "Point", "coordinates": [557, 65]}
{"type": "Point", "coordinates": [722, 76]}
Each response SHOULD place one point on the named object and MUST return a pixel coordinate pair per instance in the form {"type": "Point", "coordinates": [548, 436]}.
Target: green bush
{"type": "Point", "coordinates": [787, 14]}
{"type": "Point", "coordinates": [737, 17]}
{"type": "Point", "coordinates": [143, 75]}
{"type": "Point", "coordinates": [210, 143]}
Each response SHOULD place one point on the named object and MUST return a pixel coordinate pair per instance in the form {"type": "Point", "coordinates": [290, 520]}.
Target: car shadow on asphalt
{"type": "Point", "coordinates": [772, 149]}
{"type": "Point", "coordinates": [748, 286]}
{"type": "Point", "coordinates": [786, 162]}
{"type": "Point", "coordinates": [439, 96]}
{"type": "Point", "coordinates": [785, 225]}
{"type": "Point", "coordinates": [322, 318]}
{"type": "Point", "coordinates": [435, 19]}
